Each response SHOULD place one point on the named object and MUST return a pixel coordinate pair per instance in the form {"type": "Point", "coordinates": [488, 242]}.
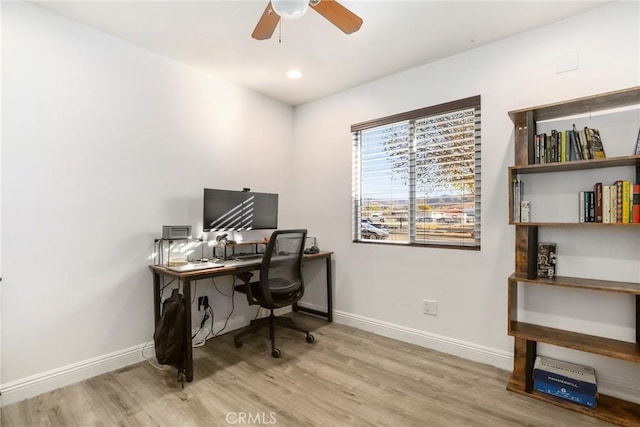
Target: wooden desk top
{"type": "Point", "coordinates": [227, 269]}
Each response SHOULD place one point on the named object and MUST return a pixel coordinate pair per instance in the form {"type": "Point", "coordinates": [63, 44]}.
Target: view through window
{"type": "Point", "coordinates": [416, 177]}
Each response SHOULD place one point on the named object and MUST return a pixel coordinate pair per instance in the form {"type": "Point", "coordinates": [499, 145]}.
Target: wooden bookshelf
{"type": "Point", "coordinates": [527, 335]}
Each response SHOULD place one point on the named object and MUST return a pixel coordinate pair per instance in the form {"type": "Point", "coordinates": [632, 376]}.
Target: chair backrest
{"type": "Point", "coordinates": [281, 281]}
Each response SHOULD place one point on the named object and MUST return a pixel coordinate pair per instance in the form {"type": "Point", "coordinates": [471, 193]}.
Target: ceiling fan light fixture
{"type": "Point", "coordinates": [290, 9]}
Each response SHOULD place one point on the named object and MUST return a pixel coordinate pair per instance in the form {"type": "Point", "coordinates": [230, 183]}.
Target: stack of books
{"type": "Point", "coordinates": [618, 203]}
{"type": "Point", "coordinates": [568, 145]}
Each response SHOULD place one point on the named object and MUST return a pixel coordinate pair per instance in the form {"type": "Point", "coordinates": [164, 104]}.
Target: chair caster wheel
{"type": "Point", "coordinates": [238, 344]}
{"type": "Point", "coordinates": [310, 338]}
{"type": "Point", "coordinates": [275, 353]}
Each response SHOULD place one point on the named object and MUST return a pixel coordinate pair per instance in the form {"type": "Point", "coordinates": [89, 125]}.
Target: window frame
{"type": "Point", "coordinates": [447, 107]}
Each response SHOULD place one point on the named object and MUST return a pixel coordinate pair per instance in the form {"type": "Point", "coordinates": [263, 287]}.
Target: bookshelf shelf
{"type": "Point", "coordinates": [587, 104]}
{"type": "Point", "coordinates": [617, 349]}
{"type": "Point", "coordinates": [581, 283]}
{"type": "Point", "coordinates": [574, 224]}
{"type": "Point", "coordinates": [577, 165]}
{"type": "Point", "coordinates": [527, 335]}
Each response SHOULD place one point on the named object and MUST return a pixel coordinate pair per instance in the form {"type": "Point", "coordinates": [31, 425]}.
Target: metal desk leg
{"type": "Point", "coordinates": [329, 314]}
{"type": "Point", "coordinates": [186, 291]}
{"type": "Point", "coordinates": [157, 298]}
{"type": "Point", "coordinates": [329, 290]}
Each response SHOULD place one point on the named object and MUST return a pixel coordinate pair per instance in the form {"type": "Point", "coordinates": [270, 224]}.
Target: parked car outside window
{"type": "Point", "coordinates": [370, 231]}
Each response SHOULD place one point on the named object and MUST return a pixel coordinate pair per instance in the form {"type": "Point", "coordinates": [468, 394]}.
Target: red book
{"type": "Point", "coordinates": [636, 203]}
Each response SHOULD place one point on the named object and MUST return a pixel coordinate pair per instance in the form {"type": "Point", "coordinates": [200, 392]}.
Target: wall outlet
{"type": "Point", "coordinates": [430, 307]}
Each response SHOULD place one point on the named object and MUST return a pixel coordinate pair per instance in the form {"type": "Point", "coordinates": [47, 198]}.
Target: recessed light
{"type": "Point", "coordinates": [293, 74]}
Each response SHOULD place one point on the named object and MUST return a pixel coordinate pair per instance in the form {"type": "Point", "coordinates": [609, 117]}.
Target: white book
{"type": "Point", "coordinates": [525, 211]}
{"type": "Point", "coordinates": [517, 198]}
{"type": "Point", "coordinates": [581, 206]}
{"type": "Point", "coordinates": [606, 204]}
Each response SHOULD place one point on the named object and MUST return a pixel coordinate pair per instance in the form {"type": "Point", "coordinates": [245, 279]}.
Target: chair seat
{"type": "Point", "coordinates": [277, 286]}
{"type": "Point", "coordinates": [282, 286]}
{"type": "Point", "coordinates": [280, 295]}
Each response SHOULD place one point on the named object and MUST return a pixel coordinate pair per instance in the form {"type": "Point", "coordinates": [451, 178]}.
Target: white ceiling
{"type": "Point", "coordinates": [215, 37]}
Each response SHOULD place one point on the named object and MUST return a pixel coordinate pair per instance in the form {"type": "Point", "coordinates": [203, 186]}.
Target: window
{"type": "Point", "coordinates": [416, 177]}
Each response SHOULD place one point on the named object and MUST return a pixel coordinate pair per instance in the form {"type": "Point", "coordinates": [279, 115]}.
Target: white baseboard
{"type": "Point", "coordinates": [478, 353]}
{"type": "Point", "coordinates": [34, 385]}
{"type": "Point", "coordinates": [43, 382]}
{"type": "Point", "coordinates": [623, 388]}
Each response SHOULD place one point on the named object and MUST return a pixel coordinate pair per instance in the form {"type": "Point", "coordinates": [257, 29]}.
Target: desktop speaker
{"type": "Point", "coordinates": [172, 232]}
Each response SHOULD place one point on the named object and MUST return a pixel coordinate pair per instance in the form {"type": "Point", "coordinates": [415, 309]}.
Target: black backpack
{"type": "Point", "coordinates": [169, 334]}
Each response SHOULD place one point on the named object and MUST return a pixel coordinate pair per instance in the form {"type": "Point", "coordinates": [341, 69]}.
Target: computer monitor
{"type": "Point", "coordinates": [226, 210]}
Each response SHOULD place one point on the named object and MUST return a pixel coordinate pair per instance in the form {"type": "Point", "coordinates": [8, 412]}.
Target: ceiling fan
{"type": "Point", "coordinates": [333, 11]}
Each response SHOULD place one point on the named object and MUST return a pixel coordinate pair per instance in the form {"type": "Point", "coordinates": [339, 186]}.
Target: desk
{"type": "Point", "coordinates": [228, 268]}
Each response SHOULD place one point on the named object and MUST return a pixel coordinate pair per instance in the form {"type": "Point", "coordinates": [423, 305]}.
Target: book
{"type": "Point", "coordinates": [548, 144]}
{"type": "Point", "coordinates": [517, 199]}
{"type": "Point", "coordinates": [613, 203]}
{"type": "Point", "coordinates": [581, 143]}
{"type": "Point", "coordinates": [597, 188]}
{"type": "Point", "coordinates": [591, 215]}
{"type": "Point", "coordinates": [606, 204]}
{"type": "Point", "coordinates": [564, 151]}
{"type": "Point", "coordinates": [587, 206]}
{"type": "Point", "coordinates": [636, 203]}
{"type": "Point", "coordinates": [547, 259]}
{"type": "Point", "coordinates": [543, 147]}
{"type": "Point", "coordinates": [575, 152]}
{"type": "Point", "coordinates": [525, 211]}
{"type": "Point", "coordinates": [585, 145]}
{"type": "Point", "coordinates": [595, 143]}
{"type": "Point", "coordinates": [618, 185]}
{"type": "Point", "coordinates": [626, 188]}
{"type": "Point", "coordinates": [630, 202]}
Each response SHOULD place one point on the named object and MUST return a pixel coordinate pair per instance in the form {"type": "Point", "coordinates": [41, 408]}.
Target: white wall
{"type": "Point", "coordinates": [102, 144]}
{"type": "Point", "coordinates": [380, 288]}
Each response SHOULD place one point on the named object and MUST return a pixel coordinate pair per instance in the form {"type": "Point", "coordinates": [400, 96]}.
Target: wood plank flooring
{"type": "Point", "coordinates": [346, 378]}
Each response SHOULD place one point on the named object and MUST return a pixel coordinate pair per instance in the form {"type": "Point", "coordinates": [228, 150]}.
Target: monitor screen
{"type": "Point", "coordinates": [239, 210]}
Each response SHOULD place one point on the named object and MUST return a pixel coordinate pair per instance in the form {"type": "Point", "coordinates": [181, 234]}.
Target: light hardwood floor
{"type": "Point", "coordinates": [346, 378]}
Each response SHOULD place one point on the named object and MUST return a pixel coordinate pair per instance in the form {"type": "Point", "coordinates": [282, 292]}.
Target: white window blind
{"type": "Point", "coordinates": [416, 177]}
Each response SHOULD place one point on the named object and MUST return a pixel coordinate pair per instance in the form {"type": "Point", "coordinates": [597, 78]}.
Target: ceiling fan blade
{"type": "Point", "coordinates": [266, 24]}
{"type": "Point", "coordinates": [338, 15]}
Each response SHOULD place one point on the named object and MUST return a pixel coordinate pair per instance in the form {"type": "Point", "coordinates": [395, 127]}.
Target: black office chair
{"type": "Point", "coordinates": [280, 284]}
